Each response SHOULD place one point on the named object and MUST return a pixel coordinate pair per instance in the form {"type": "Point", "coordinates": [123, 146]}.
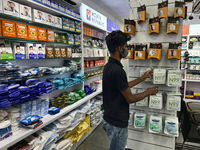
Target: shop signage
{"type": "Point", "coordinates": [111, 26]}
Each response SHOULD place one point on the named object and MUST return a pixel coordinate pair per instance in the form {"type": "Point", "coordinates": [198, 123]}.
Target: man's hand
{"type": "Point", "coordinates": [152, 91]}
{"type": "Point", "coordinates": [147, 74]}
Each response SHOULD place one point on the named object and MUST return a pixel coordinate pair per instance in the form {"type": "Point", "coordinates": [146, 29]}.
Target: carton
{"type": "Point", "coordinates": [42, 34]}
{"type": "Point", "coordinates": [41, 51]}
{"type": "Point", "coordinates": [50, 36]}
{"type": "Point", "coordinates": [8, 28]}
{"type": "Point", "coordinates": [38, 16]}
{"type": "Point", "coordinates": [58, 37]}
{"type": "Point", "coordinates": [49, 52]}
{"type": "Point", "coordinates": [19, 50]}
{"type": "Point", "coordinates": [65, 23]}
{"type": "Point", "coordinates": [1, 6]}
{"type": "Point", "coordinates": [56, 52]}
{"type": "Point", "coordinates": [49, 19]}
{"type": "Point", "coordinates": [0, 27]}
{"type": "Point", "coordinates": [25, 12]}
{"type": "Point", "coordinates": [63, 52]}
{"type": "Point", "coordinates": [58, 22]}
{"type": "Point", "coordinates": [32, 33]}
{"type": "Point", "coordinates": [21, 31]}
{"type": "Point", "coordinates": [32, 50]}
{"type": "Point", "coordinates": [6, 50]}
{"type": "Point", "coordinates": [69, 52]}
{"type": "Point", "coordinates": [10, 8]}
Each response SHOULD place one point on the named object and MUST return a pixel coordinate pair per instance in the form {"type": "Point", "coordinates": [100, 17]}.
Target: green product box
{"type": "Point", "coordinates": [58, 37]}
{"type": "Point", "coordinates": [66, 23]}
{"type": "Point", "coordinates": [6, 50]}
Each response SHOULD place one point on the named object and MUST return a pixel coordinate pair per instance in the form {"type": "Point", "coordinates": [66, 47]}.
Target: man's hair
{"type": "Point", "coordinates": [17, 46]}
{"type": "Point", "coordinates": [116, 39]}
{"type": "Point", "coordinates": [2, 44]}
{"type": "Point", "coordinates": [31, 47]}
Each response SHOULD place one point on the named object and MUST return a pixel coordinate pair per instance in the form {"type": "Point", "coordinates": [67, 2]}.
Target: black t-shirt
{"type": "Point", "coordinates": [115, 105]}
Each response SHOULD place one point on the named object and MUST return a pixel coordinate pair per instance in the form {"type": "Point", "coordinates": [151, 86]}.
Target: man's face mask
{"type": "Point", "coordinates": [125, 54]}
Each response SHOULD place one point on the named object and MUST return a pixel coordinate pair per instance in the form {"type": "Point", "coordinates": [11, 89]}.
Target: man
{"type": "Point", "coordinates": [116, 91]}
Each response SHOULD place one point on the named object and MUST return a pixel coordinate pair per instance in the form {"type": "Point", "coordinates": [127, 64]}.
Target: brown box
{"type": "Point", "coordinates": [21, 31]}
{"type": "Point", "coordinates": [69, 52]}
{"type": "Point", "coordinates": [0, 27]}
{"type": "Point", "coordinates": [32, 33]}
{"type": "Point", "coordinates": [42, 34]}
{"type": "Point", "coordinates": [63, 52]}
{"type": "Point", "coordinates": [56, 52]}
{"type": "Point", "coordinates": [49, 52]}
{"type": "Point", "coordinates": [8, 28]}
{"type": "Point", "coordinates": [50, 36]}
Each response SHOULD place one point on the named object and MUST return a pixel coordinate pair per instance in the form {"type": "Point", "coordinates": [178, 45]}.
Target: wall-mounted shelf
{"type": "Point", "coordinates": [94, 67]}
{"type": "Point", "coordinates": [93, 37]}
{"type": "Point", "coordinates": [94, 76]}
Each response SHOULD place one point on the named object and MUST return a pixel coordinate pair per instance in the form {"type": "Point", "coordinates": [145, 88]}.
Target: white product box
{"type": "Point", "coordinates": [1, 6]}
{"type": "Point", "coordinates": [25, 12]}
{"type": "Point", "coordinates": [58, 22]}
{"type": "Point", "coordinates": [41, 51]}
{"type": "Point", "coordinates": [19, 50]}
{"type": "Point", "coordinates": [40, 1]}
{"type": "Point", "coordinates": [10, 8]}
{"type": "Point", "coordinates": [32, 50]}
{"type": "Point", "coordinates": [54, 4]}
{"type": "Point", "coordinates": [38, 16]}
{"type": "Point", "coordinates": [61, 7]}
{"type": "Point", "coordinates": [49, 19]}
{"type": "Point", "coordinates": [6, 50]}
{"type": "Point", "coordinates": [47, 2]}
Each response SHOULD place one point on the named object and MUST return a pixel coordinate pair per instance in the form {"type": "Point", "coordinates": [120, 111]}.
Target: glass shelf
{"type": "Point", "coordinates": [94, 67]}
{"type": "Point", "coordinates": [93, 37]}
{"type": "Point", "coordinates": [94, 76]}
{"type": "Point", "coordinates": [93, 47]}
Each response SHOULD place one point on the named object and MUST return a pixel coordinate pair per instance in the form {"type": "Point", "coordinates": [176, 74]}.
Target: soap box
{"type": "Point", "coordinates": [21, 31]}
{"type": "Point", "coordinates": [58, 22]}
{"type": "Point", "coordinates": [25, 12]}
{"type": "Point", "coordinates": [49, 19]}
{"type": "Point", "coordinates": [32, 33]}
{"type": "Point", "coordinates": [42, 34]}
{"type": "Point", "coordinates": [10, 8]}
{"type": "Point", "coordinates": [41, 51]}
{"type": "Point", "coordinates": [8, 28]}
{"type": "Point", "coordinates": [38, 16]}
{"type": "Point", "coordinates": [19, 50]}
{"type": "Point", "coordinates": [32, 50]}
{"type": "Point", "coordinates": [50, 36]}
{"type": "Point", "coordinates": [6, 50]}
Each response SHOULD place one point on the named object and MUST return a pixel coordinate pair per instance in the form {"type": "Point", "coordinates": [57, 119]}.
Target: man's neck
{"type": "Point", "coordinates": [115, 57]}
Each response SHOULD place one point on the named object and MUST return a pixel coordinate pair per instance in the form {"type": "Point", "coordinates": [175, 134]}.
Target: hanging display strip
{"type": "Point", "coordinates": [160, 109]}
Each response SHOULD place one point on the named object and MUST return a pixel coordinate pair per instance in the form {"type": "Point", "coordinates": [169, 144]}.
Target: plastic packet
{"type": "Point", "coordinates": [30, 119]}
{"type": "Point", "coordinates": [130, 121]}
{"type": "Point", "coordinates": [139, 120]}
{"type": "Point", "coordinates": [159, 76]}
{"type": "Point", "coordinates": [143, 71]}
{"type": "Point", "coordinates": [156, 101]}
{"type": "Point", "coordinates": [173, 102]}
{"type": "Point", "coordinates": [174, 78]}
{"type": "Point", "coordinates": [143, 102]}
{"type": "Point", "coordinates": [155, 123]}
{"type": "Point", "coordinates": [171, 126]}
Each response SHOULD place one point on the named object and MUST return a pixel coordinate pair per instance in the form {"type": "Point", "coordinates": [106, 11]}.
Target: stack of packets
{"type": "Point", "coordinates": [89, 90]}
{"type": "Point", "coordinates": [73, 65]}
{"type": "Point", "coordinates": [4, 96]}
{"type": "Point", "coordinates": [14, 93]}
{"type": "Point", "coordinates": [79, 76]}
{"type": "Point", "coordinates": [54, 110]}
{"type": "Point", "coordinates": [76, 96]}
{"type": "Point", "coordinates": [31, 122]}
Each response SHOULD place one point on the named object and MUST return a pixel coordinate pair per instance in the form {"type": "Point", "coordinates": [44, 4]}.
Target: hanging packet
{"type": "Point", "coordinates": [129, 26]}
{"type": "Point", "coordinates": [155, 51]}
{"type": "Point", "coordinates": [159, 76]}
{"type": "Point", "coordinates": [154, 25]}
{"type": "Point", "coordinates": [174, 78]}
{"type": "Point", "coordinates": [171, 126]}
{"type": "Point", "coordinates": [163, 9]}
{"type": "Point", "coordinates": [179, 10]}
{"type": "Point", "coordinates": [141, 14]}
{"type": "Point", "coordinates": [173, 101]}
{"type": "Point", "coordinates": [143, 102]}
{"type": "Point", "coordinates": [130, 121]}
{"type": "Point", "coordinates": [155, 123]}
{"type": "Point", "coordinates": [173, 25]}
{"type": "Point", "coordinates": [140, 52]}
{"type": "Point", "coordinates": [174, 51]}
{"type": "Point", "coordinates": [143, 71]}
{"type": "Point", "coordinates": [139, 120]}
{"type": "Point", "coordinates": [130, 52]}
{"type": "Point", "coordinates": [156, 101]}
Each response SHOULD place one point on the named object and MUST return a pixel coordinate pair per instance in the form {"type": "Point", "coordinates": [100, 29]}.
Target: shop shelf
{"type": "Point", "coordinates": [68, 87]}
{"type": "Point", "coordinates": [23, 132]}
{"type": "Point", "coordinates": [94, 67]}
{"type": "Point", "coordinates": [94, 57]}
{"type": "Point", "coordinates": [190, 100]}
{"type": "Point", "coordinates": [94, 47]}
{"type": "Point", "coordinates": [188, 80]}
{"type": "Point", "coordinates": [94, 76]}
{"type": "Point", "coordinates": [93, 37]}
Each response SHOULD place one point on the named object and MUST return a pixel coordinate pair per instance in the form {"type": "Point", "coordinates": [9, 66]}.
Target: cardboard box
{"type": "Point", "coordinates": [54, 4]}
{"type": "Point", "coordinates": [63, 52]}
{"type": "Point", "coordinates": [58, 22]}
{"type": "Point", "coordinates": [10, 8]}
{"type": "Point", "coordinates": [8, 28]}
{"type": "Point", "coordinates": [77, 39]}
{"type": "Point", "coordinates": [25, 12]}
{"type": "Point", "coordinates": [1, 6]}
{"type": "Point", "coordinates": [66, 23]}
{"type": "Point", "coordinates": [49, 52]}
{"type": "Point", "coordinates": [56, 52]}
{"type": "Point", "coordinates": [72, 25]}
{"type": "Point", "coordinates": [41, 51]}
{"type": "Point", "coordinates": [64, 38]}
{"type": "Point", "coordinates": [61, 7]}
{"type": "Point", "coordinates": [6, 50]}
{"type": "Point", "coordinates": [58, 37]}
{"type": "Point", "coordinates": [70, 38]}
{"type": "Point", "coordinates": [32, 50]}
{"type": "Point", "coordinates": [47, 2]}
{"type": "Point", "coordinates": [21, 31]}
{"type": "Point", "coordinates": [32, 33]}
{"type": "Point", "coordinates": [19, 50]}
{"type": "Point", "coordinates": [49, 19]}
{"type": "Point", "coordinates": [69, 52]}
{"type": "Point", "coordinates": [38, 16]}
{"type": "Point", "coordinates": [42, 34]}
{"type": "Point", "coordinates": [0, 27]}
{"type": "Point", "coordinates": [50, 36]}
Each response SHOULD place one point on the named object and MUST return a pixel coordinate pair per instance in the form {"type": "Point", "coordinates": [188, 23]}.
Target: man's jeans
{"type": "Point", "coordinates": [117, 136]}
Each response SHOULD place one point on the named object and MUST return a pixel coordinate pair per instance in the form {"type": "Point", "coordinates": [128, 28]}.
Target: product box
{"type": "Point", "coordinates": [78, 26]}
{"type": "Point", "coordinates": [58, 22]}
{"type": "Point", "coordinates": [69, 52]}
{"type": "Point", "coordinates": [36, 107]}
{"type": "Point", "coordinates": [38, 16]}
{"type": "Point", "coordinates": [67, 10]}
{"type": "Point", "coordinates": [8, 28]}
{"type": "Point", "coordinates": [54, 4]}
{"type": "Point", "coordinates": [25, 12]}
{"type": "Point", "coordinates": [40, 1]}
{"type": "Point", "coordinates": [56, 52]}
{"type": "Point", "coordinates": [70, 38]}
{"type": "Point", "coordinates": [63, 52]}
{"type": "Point", "coordinates": [19, 50]}
{"type": "Point", "coordinates": [1, 6]}
{"type": "Point", "coordinates": [50, 36]}
{"type": "Point", "coordinates": [61, 7]}
{"type": "Point", "coordinates": [32, 33]}
{"type": "Point", "coordinates": [0, 27]}
{"type": "Point", "coordinates": [41, 51]}
{"type": "Point", "coordinates": [42, 34]}
{"type": "Point", "coordinates": [58, 37]}
{"type": "Point", "coordinates": [77, 39]}
{"type": "Point", "coordinates": [49, 19]}
{"type": "Point", "coordinates": [64, 38]}
{"type": "Point", "coordinates": [32, 50]}
{"type": "Point", "coordinates": [47, 2]}
{"type": "Point", "coordinates": [36, 102]}
{"type": "Point", "coordinates": [65, 23]}
{"type": "Point", "coordinates": [10, 8]}
{"type": "Point", "coordinates": [6, 50]}
{"type": "Point", "coordinates": [72, 25]}
{"type": "Point", "coordinates": [21, 31]}
{"type": "Point", "coordinates": [49, 52]}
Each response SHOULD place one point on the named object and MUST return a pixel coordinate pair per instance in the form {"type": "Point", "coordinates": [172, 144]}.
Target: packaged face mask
{"type": "Point", "coordinates": [6, 50]}
{"type": "Point", "coordinates": [155, 124]}
{"type": "Point", "coordinates": [140, 52]}
{"type": "Point", "coordinates": [78, 26]}
{"type": "Point", "coordinates": [163, 9]}
{"type": "Point", "coordinates": [155, 51]}
{"type": "Point", "coordinates": [70, 38]}
{"type": "Point", "coordinates": [143, 71]}
{"type": "Point", "coordinates": [179, 10]}
{"type": "Point", "coordinates": [32, 51]}
{"type": "Point", "coordinates": [173, 102]}
{"type": "Point", "coordinates": [154, 25]}
{"type": "Point", "coordinates": [65, 23]}
{"type": "Point", "coordinates": [129, 26]}
{"type": "Point", "coordinates": [41, 51]}
{"type": "Point", "coordinates": [19, 50]}
{"type": "Point", "coordinates": [174, 78]}
{"type": "Point", "coordinates": [130, 52]}
{"type": "Point", "coordinates": [77, 39]}
{"type": "Point", "coordinates": [159, 76]}
{"type": "Point", "coordinates": [171, 126]}
{"type": "Point", "coordinates": [143, 102]}
{"type": "Point", "coordinates": [49, 52]}
{"type": "Point", "coordinates": [139, 120]}
{"type": "Point", "coordinates": [173, 25]}
{"type": "Point", "coordinates": [130, 121]}
{"type": "Point", "coordinates": [156, 101]}
{"type": "Point", "coordinates": [174, 51]}
{"type": "Point", "coordinates": [141, 14]}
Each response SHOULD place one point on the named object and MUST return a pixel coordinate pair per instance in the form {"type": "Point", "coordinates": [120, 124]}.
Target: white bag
{"type": "Point", "coordinates": [155, 124]}
{"type": "Point", "coordinates": [171, 126]}
{"type": "Point", "coordinates": [139, 120]}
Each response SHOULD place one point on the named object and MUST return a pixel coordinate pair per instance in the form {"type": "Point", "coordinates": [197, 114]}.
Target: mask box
{"type": "Point", "coordinates": [68, 10]}
{"type": "Point", "coordinates": [58, 22]}
{"type": "Point", "coordinates": [1, 6]}
{"type": "Point", "coordinates": [56, 52]}
{"type": "Point", "coordinates": [32, 33]}
{"type": "Point", "coordinates": [19, 50]}
{"type": "Point", "coordinates": [65, 23]}
{"type": "Point", "coordinates": [49, 52]}
{"type": "Point", "coordinates": [63, 52]}
{"type": "Point", "coordinates": [71, 25]}
{"type": "Point", "coordinates": [78, 26]}
{"type": "Point", "coordinates": [140, 52]}
{"type": "Point", "coordinates": [32, 50]}
{"type": "Point", "coordinates": [54, 4]}
{"type": "Point", "coordinates": [25, 12]}
{"type": "Point", "coordinates": [61, 7]}
{"type": "Point", "coordinates": [21, 31]}
{"type": "Point", "coordinates": [77, 39]}
{"type": "Point", "coordinates": [64, 38]}
{"type": "Point", "coordinates": [50, 36]}
{"type": "Point", "coordinates": [47, 2]}
{"type": "Point", "coordinates": [141, 14]}
{"type": "Point", "coordinates": [8, 28]}
{"type": "Point", "coordinates": [174, 51]}
{"type": "Point", "coordinates": [49, 19]}
{"type": "Point", "coordinates": [58, 37]}
{"type": "Point", "coordinates": [159, 76]}
{"type": "Point", "coordinates": [154, 25]}
{"type": "Point", "coordinates": [69, 52]}
{"type": "Point", "coordinates": [41, 51]}
{"type": "Point", "coordinates": [130, 52]}
{"type": "Point", "coordinates": [163, 9]}
{"type": "Point", "coordinates": [10, 8]}
{"type": "Point", "coordinates": [156, 101]}
{"type": "Point", "coordinates": [179, 10]}
{"type": "Point", "coordinates": [70, 38]}
{"type": "Point", "coordinates": [42, 34]}
{"type": "Point", "coordinates": [6, 50]}
{"type": "Point", "coordinates": [38, 16]}
{"type": "Point", "coordinates": [0, 27]}
{"type": "Point", "coordinates": [173, 25]}
{"type": "Point", "coordinates": [155, 51]}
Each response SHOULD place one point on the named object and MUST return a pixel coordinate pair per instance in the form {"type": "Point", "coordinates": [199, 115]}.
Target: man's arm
{"type": "Point", "coordinates": [133, 98]}
{"type": "Point", "coordinates": [141, 79]}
